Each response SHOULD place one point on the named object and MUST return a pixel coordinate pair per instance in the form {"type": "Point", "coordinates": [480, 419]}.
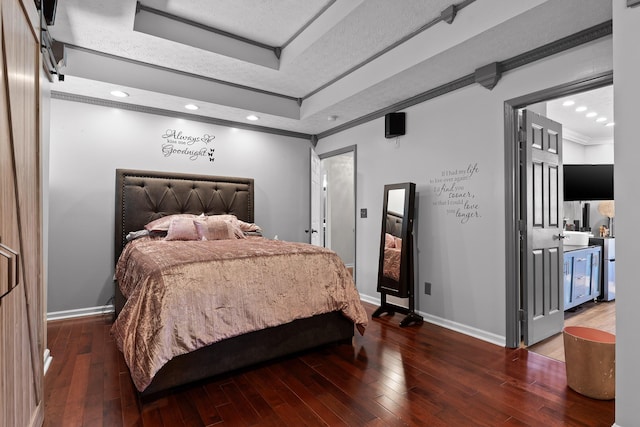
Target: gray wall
{"type": "Point", "coordinates": [89, 142]}
{"type": "Point", "coordinates": [454, 139]}
{"type": "Point", "coordinates": [626, 62]}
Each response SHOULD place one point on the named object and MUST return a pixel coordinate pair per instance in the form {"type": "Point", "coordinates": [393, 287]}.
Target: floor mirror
{"type": "Point", "coordinates": [396, 261]}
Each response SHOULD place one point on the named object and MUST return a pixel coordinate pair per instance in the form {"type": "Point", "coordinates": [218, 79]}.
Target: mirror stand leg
{"type": "Point", "coordinates": [384, 308]}
{"type": "Point", "coordinates": [410, 318]}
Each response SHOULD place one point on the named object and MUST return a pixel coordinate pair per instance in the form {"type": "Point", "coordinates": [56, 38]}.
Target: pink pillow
{"type": "Point", "coordinates": [217, 229]}
{"type": "Point", "coordinates": [181, 228]}
{"type": "Point", "coordinates": [162, 224]}
{"type": "Point", "coordinates": [246, 226]}
{"type": "Point", "coordinates": [398, 242]}
{"type": "Point", "coordinates": [389, 241]}
{"type": "Point", "coordinates": [231, 219]}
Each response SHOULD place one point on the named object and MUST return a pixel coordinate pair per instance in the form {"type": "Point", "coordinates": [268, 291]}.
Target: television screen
{"type": "Point", "coordinates": [588, 182]}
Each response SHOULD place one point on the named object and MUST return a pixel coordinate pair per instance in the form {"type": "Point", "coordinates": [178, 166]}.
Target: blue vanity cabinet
{"type": "Point", "coordinates": [581, 272]}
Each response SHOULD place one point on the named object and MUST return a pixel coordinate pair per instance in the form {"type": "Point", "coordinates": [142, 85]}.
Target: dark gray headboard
{"type": "Point", "coordinates": [142, 196]}
{"type": "Point", "coordinates": [394, 224]}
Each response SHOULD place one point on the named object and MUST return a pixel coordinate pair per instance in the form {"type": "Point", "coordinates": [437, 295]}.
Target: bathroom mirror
{"type": "Point", "coordinates": [395, 267]}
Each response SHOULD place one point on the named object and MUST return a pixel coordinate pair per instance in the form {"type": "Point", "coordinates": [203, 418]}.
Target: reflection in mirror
{"type": "Point", "coordinates": [395, 270]}
{"type": "Point", "coordinates": [393, 236]}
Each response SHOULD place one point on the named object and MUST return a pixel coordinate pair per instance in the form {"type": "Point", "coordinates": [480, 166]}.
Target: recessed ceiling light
{"type": "Point", "coordinates": [332, 118]}
{"type": "Point", "coordinates": [601, 119]}
{"type": "Point", "coordinates": [610, 124]}
{"type": "Point", "coordinates": [592, 114]}
{"type": "Point", "coordinates": [119, 93]}
{"type": "Point", "coordinates": [568, 103]}
{"type": "Point", "coordinates": [581, 109]}
{"type": "Point", "coordinates": [191, 107]}
{"type": "Point", "coordinates": [252, 117]}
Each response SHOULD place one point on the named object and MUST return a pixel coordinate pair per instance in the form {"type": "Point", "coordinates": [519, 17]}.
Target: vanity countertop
{"type": "Point", "coordinates": [569, 248]}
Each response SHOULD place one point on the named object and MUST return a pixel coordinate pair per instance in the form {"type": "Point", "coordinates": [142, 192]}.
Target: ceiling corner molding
{"type": "Point", "coordinates": [449, 14]}
{"type": "Point", "coordinates": [489, 75]}
{"type": "Point", "coordinates": [176, 114]}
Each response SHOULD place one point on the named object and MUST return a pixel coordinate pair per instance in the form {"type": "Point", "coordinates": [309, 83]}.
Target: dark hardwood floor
{"type": "Point", "coordinates": [418, 376]}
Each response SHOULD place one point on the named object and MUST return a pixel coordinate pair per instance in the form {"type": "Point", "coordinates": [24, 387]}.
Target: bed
{"type": "Point", "coordinates": [145, 196]}
{"type": "Point", "coordinates": [392, 250]}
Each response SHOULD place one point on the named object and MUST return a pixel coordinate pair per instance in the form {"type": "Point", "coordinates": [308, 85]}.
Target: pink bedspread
{"type": "Point", "coordinates": [186, 295]}
{"type": "Point", "coordinates": [391, 263]}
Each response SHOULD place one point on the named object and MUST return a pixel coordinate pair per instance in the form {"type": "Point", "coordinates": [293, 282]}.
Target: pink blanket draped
{"type": "Point", "coordinates": [186, 295]}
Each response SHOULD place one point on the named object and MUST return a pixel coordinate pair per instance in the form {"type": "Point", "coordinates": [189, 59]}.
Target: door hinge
{"type": "Point", "coordinates": [522, 315]}
{"type": "Point", "coordinates": [522, 229]}
{"type": "Point", "coordinates": [522, 135]}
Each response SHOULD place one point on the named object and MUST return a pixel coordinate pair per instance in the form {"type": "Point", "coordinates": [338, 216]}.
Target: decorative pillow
{"type": "Point", "coordinates": [162, 224]}
{"type": "Point", "coordinates": [182, 228]}
{"type": "Point", "coordinates": [231, 219]}
{"type": "Point", "coordinates": [217, 229]}
{"type": "Point", "coordinates": [246, 226]}
{"type": "Point", "coordinates": [132, 235]}
{"type": "Point", "coordinates": [398, 242]}
{"type": "Point", "coordinates": [389, 241]}
{"type": "Point", "coordinates": [226, 217]}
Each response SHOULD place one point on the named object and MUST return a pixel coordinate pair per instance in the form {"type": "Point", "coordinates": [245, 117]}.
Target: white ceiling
{"type": "Point", "coordinates": [579, 128]}
{"type": "Point", "coordinates": [343, 58]}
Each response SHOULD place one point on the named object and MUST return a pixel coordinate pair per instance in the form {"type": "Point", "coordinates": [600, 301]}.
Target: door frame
{"type": "Point", "coordinates": [513, 331]}
{"type": "Point", "coordinates": [344, 150]}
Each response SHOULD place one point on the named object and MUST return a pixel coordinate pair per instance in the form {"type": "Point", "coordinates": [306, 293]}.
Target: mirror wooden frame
{"type": "Point", "coordinates": [404, 286]}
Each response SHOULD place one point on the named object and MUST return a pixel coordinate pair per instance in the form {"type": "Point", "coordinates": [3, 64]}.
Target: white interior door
{"type": "Point", "coordinates": [316, 199]}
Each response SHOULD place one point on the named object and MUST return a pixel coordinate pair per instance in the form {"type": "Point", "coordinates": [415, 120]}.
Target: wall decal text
{"type": "Point", "coordinates": [194, 147]}
{"type": "Point", "coordinates": [453, 191]}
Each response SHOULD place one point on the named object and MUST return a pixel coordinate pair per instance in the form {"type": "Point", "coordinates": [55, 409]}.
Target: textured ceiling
{"type": "Point", "coordinates": [344, 58]}
{"type": "Point", "coordinates": [273, 23]}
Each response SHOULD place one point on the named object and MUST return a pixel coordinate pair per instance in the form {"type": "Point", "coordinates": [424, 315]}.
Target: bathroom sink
{"type": "Point", "coordinates": [576, 238]}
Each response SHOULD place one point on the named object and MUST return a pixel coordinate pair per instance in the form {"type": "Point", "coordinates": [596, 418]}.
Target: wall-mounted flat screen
{"type": "Point", "coordinates": [588, 182]}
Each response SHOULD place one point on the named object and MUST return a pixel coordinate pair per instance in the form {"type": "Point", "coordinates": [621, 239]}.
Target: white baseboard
{"type": "Point", "coordinates": [47, 360]}
{"type": "Point", "coordinates": [81, 312]}
{"type": "Point", "coordinates": [445, 323]}
{"type": "Point", "coordinates": [449, 324]}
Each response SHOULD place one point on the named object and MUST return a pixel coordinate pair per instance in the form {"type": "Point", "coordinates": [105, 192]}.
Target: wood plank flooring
{"type": "Point", "coordinates": [416, 376]}
{"type": "Point", "coordinates": [600, 315]}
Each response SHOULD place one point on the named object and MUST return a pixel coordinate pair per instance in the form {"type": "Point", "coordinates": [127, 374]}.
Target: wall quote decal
{"type": "Point", "coordinates": [453, 191]}
{"type": "Point", "coordinates": [175, 142]}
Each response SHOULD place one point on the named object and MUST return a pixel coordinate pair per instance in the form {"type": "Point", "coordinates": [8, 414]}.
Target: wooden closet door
{"type": "Point", "coordinates": [21, 305]}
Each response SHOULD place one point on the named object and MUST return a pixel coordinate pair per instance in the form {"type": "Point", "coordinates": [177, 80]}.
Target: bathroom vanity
{"type": "Point", "coordinates": [581, 272]}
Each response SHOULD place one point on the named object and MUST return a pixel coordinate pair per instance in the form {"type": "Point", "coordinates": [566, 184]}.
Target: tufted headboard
{"type": "Point", "coordinates": [394, 224]}
{"type": "Point", "coordinates": [142, 196]}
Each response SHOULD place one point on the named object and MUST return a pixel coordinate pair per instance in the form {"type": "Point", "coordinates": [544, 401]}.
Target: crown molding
{"type": "Point", "coordinates": [177, 114]}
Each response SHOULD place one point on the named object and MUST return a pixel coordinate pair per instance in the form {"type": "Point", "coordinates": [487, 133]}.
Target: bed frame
{"type": "Point", "coordinates": [142, 196]}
